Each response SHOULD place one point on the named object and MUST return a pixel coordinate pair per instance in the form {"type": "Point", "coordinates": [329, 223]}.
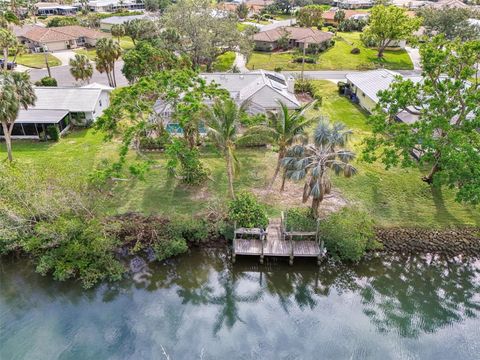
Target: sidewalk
{"type": "Point", "coordinates": [415, 57]}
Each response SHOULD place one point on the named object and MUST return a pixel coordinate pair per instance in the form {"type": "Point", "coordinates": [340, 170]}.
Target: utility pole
{"type": "Point", "coordinates": [45, 53]}
{"type": "Point", "coordinates": [303, 60]}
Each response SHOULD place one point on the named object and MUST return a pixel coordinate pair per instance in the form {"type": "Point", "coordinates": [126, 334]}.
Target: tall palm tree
{"type": "Point", "coordinates": [314, 162]}
{"type": "Point", "coordinates": [81, 68]}
{"type": "Point", "coordinates": [7, 40]}
{"type": "Point", "coordinates": [283, 129]}
{"type": "Point", "coordinates": [222, 120]}
{"type": "Point", "coordinates": [117, 30]}
{"type": "Point", "coordinates": [16, 91]}
{"type": "Point", "coordinates": [108, 51]}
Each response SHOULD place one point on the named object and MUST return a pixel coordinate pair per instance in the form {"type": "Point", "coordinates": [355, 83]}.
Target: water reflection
{"type": "Point", "coordinates": [403, 297]}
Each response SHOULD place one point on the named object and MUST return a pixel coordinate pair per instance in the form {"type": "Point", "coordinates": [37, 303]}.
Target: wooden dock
{"type": "Point", "coordinates": [276, 241]}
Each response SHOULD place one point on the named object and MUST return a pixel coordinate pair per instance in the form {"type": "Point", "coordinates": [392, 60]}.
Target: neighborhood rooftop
{"type": "Point", "coordinates": [71, 98]}
{"type": "Point", "coordinates": [261, 87]}
{"type": "Point", "coordinates": [299, 34]}
{"type": "Point", "coordinates": [40, 116]}
{"type": "Point", "coordinates": [63, 33]}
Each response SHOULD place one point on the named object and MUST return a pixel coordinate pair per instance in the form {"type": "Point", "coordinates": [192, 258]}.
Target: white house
{"type": "Point", "coordinates": [262, 89]}
{"type": "Point", "coordinates": [114, 5]}
{"type": "Point", "coordinates": [60, 107]}
{"type": "Point", "coordinates": [363, 88]}
{"type": "Point", "coordinates": [107, 23]}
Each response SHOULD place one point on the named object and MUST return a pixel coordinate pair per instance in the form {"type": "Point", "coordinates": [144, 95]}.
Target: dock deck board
{"type": "Point", "coordinates": [275, 245]}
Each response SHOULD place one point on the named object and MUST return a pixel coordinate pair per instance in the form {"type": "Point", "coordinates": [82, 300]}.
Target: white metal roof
{"type": "Point", "coordinates": [118, 20]}
{"type": "Point", "coordinates": [34, 116]}
{"type": "Point", "coordinates": [73, 99]}
{"type": "Point", "coordinates": [371, 82]}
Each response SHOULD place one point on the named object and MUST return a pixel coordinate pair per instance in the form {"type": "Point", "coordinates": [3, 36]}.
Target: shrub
{"type": "Point", "coordinates": [308, 60]}
{"type": "Point", "coordinates": [304, 86]}
{"type": "Point", "coordinates": [53, 133]}
{"type": "Point", "coordinates": [74, 247]}
{"type": "Point", "coordinates": [192, 230]}
{"type": "Point", "coordinates": [355, 51]}
{"type": "Point", "coordinates": [46, 81]}
{"type": "Point", "coordinates": [247, 212]}
{"type": "Point", "coordinates": [62, 21]}
{"type": "Point", "coordinates": [168, 248]}
{"type": "Point", "coordinates": [348, 234]}
{"type": "Point", "coordinates": [331, 29]}
{"type": "Point", "coordinates": [155, 143]}
{"type": "Point", "coordinates": [278, 69]}
{"type": "Point", "coordinates": [185, 162]}
{"type": "Point", "coordinates": [300, 219]}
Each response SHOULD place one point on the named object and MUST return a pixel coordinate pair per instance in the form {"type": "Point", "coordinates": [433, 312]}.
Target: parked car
{"type": "Point", "coordinates": [10, 65]}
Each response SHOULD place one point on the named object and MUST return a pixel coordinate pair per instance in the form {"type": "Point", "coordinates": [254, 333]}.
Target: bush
{"type": "Point", "coordinates": [165, 249]}
{"type": "Point", "coordinates": [155, 143]}
{"type": "Point", "coordinates": [62, 21]}
{"type": "Point", "coordinates": [355, 51]}
{"type": "Point", "coordinates": [300, 219]}
{"type": "Point", "coordinates": [247, 212]}
{"type": "Point", "coordinates": [46, 81]}
{"type": "Point", "coordinates": [278, 69]}
{"type": "Point", "coordinates": [192, 230]}
{"type": "Point", "coordinates": [74, 247]}
{"type": "Point", "coordinates": [331, 29]}
{"type": "Point", "coordinates": [185, 162]}
{"type": "Point", "coordinates": [53, 133]}
{"type": "Point", "coordinates": [304, 86]}
{"type": "Point", "coordinates": [252, 120]}
{"type": "Point", "coordinates": [348, 234]}
{"type": "Point", "coordinates": [308, 60]}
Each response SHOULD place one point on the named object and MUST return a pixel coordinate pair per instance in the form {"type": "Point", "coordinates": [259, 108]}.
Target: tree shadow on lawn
{"type": "Point", "coordinates": [442, 210]}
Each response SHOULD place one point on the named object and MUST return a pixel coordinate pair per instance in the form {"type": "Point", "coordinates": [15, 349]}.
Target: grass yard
{"type": "Point", "coordinates": [91, 53]}
{"type": "Point", "coordinates": [126, 43]}
{"type": "Point", "coordinates": [395, 197]}
{"type": "Point", "coordinates": [224, 62]}
{"type": "Point", "coordinates": [36, 61]}
{"type": "Point", "coordinates": [337, 57]}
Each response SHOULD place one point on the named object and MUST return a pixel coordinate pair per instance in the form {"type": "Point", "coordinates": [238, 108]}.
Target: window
{"type": "Point", "coordinates": [100, 102]}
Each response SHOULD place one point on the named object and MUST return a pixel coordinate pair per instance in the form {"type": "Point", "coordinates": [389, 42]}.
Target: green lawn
{"type": "Point", "coordinates": [395, 197]}
{"type": "Point", "coordinates": [126, 43]}
{"type": "Point", "coordinates": [224, 62]}
{"type": "Point", "coordinates": [36, 61]}
{"type": "Point", "coordinates": [91, 53]}
{"type": "Point", "coordinates": [337, 57]}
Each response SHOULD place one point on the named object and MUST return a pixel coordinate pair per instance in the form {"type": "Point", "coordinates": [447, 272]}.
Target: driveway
{"type": "Point", "coordinates": [64, 78]}
{"type": "Point", "coordinates": [415, 57]}
{"type": "Point", "coordinates": [64, 56]}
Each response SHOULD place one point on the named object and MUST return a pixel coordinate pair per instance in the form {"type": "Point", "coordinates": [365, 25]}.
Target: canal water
{"type": "Point", "coordinates": [200, 306]}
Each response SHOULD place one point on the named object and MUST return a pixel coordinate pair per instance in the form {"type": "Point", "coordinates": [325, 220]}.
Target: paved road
{"type": "Point", "coordinates": [64, 78]}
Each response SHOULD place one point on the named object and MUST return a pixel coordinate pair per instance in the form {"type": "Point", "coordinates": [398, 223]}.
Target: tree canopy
{"type": "Point", "coordinates": [204, 35]}
{"type": "Point", "coordinates": [310, 15]}
{"type": "Point", "coordinates": [388, 24]}
{"type": "Point", "coordinates": [451, 22]}
{"type": "Point", "coordinates": [445, 137]}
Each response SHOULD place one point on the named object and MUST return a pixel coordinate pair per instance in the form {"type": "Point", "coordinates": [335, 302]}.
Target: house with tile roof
{"type": "Point", "coordinates": [297, 37]}
{"type": "Point", "coordinates": [36, 38]}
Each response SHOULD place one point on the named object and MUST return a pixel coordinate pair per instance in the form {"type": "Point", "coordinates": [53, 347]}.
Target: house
{"type": "Point", "coordinates": [353, 4]}
{"type": "Point", "coordinates": [37, 38]}
{"type": "Point", "coordinates": [60, 107]}
{"type": "Point", "coordinates": [254, 6]}
{"type": "Point", "coordinates": [51, 8]}
{"type": "Point", "coordinates": [363, 88]}
{"type": "Point", "coordinates": [297, 37]}
{"type": "Point", "coordinates": [261, 90]}
{"type": "Point", "coordinates": [329, 16]}
{"type": "Point", "coordinates": [107, 23]}
{"type": "Point", "coordinates": [448, 4]}
{"type": "Point", "coordinates": [114, 5]}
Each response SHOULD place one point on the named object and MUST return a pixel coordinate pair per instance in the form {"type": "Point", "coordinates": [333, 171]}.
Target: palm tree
{"type": "Point", "coordinates": [283, 129]}
{"type": "Point", "coordinates": [118, 30]}
{"type": "Point", "coordinates": [16, 91]}
{"type": "Point", "coordinates": [313, 162]}
{"type": "Point", "coordinates": [222, 120]}
{"type": "Point", "coordinates": [108, 51]}
{"type": "Point", "coordinates": [81, 68]}
{"type": "Point", "coordinates": [7, 40]}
